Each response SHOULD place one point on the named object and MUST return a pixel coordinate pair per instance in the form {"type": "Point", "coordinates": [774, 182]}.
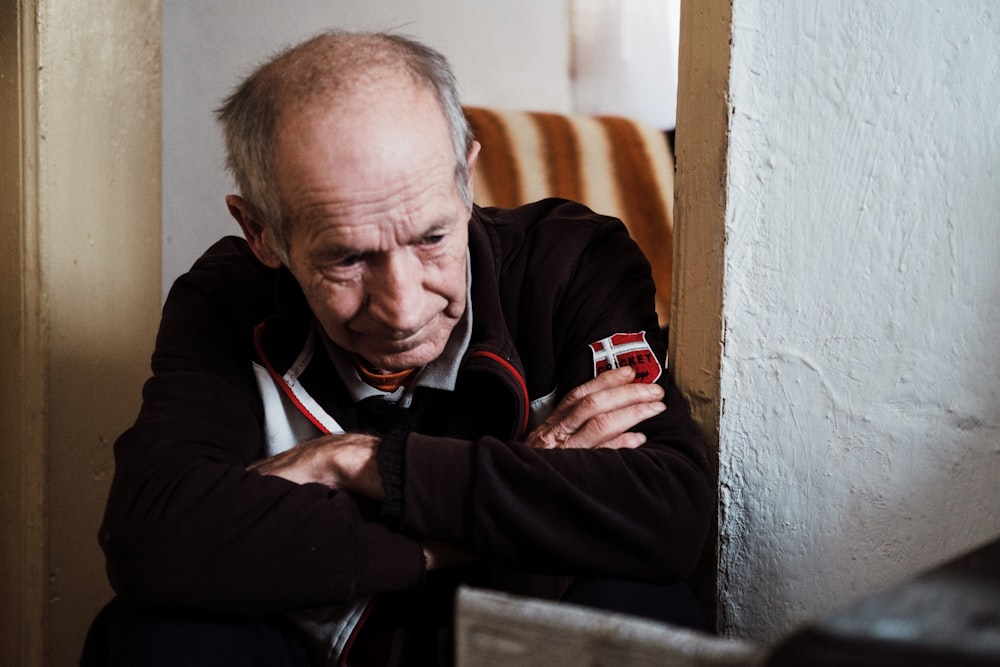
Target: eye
{"type": "Point", "coordinates": [433, 239]}
{"type": "Point", "coordinates": [342, 263]}
{"type": "Point", "coordinates": [349, 261]}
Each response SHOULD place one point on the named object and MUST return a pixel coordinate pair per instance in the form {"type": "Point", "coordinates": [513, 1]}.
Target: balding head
{"type": "Point", "coordinates": [322, 72]}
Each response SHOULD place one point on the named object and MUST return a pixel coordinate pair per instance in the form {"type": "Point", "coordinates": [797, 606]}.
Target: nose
{"type": "Point", "coordinates": [395, 293]}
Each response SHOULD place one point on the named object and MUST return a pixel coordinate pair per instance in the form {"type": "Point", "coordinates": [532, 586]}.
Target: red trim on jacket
{"type": "Point", "coordinates": [520, 381]}
{"type": "Point", "coordinates": [258, 335]}
{"type": "Point", "coordinates": [342, 660]}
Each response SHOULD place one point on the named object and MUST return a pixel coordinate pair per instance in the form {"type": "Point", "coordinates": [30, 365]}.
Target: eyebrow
{"type": "Point", "coordinates": [336, 251]}
{"type": "Point", "coordinates": [437, 227]}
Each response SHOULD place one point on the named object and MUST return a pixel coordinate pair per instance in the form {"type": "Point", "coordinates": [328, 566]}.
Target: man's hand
{"type": "Point", "coordinates": [346, 461]}
{"type": "Point", "coordinates": [599, 413]}
{"type": "Point", "coordinates": [441, 556]}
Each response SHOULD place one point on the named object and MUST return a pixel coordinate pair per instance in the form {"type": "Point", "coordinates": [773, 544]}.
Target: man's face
{"type": "Point", "coordinates": [377, 231]}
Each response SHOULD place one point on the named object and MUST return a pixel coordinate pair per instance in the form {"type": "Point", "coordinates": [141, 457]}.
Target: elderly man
{"type": "Point", "coordinates": [384, 392]}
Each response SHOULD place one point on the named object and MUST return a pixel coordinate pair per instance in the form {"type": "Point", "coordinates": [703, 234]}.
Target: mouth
{"type": "Point", "coordinates": [385, 345]}
{"type": "Point", "coordinates": [395, 355]}
{"type": "Point", "coordinates": [414, 346]}
{"type": "Point", "coordinates": [394, 338]}
{"type": "Point", "coordinates": [400, 337]}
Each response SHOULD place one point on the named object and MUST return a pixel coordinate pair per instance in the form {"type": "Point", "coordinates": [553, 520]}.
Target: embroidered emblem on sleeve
{"type": "Point", "coordinates": [627, 349]}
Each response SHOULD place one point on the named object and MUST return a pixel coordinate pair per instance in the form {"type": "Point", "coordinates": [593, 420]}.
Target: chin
{"type": "Point", "coordinates": [401, 361]}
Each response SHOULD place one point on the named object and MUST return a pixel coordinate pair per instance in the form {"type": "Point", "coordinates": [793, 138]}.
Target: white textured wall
{"type": "Point", "coordinates": [506, 54]}
{"type": "Point", "coordinates": [624, 59]}
{"type": "Point", "coordinates": [860, 373]}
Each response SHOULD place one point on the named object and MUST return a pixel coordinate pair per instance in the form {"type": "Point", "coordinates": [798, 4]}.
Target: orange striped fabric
{"type": "Point", "coordinates": [616, 166]}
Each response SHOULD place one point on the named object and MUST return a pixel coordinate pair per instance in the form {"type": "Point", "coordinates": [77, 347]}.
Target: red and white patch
{"type": "Point", "coordinates": [627, 349]}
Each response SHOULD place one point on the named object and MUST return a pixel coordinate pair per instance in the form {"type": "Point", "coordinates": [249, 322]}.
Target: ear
{"type": "Point", "coordinates": [470, 161]}
{"type": "Point", "coordinates": [259, 237]}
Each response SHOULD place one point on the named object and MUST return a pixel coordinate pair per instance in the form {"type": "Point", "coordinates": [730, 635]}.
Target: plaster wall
{"type": "Point", "coordinates": [859, 397]}
{"type": "Point", "coordinates": [511, 54]}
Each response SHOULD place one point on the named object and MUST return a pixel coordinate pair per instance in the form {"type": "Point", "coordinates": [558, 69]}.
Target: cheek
{"type": "Point", "coordinates": [450, 279]}
{"type": "Point", "coordinates": [447, 285]}
{"type": "Point", "coordinates": [334, 307]}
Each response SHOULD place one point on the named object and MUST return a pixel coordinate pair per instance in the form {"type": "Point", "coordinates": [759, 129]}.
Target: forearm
{"type": "Point", "coordinates": [187, 525]}
{"type": "Point", "coordinates": [639, 513]}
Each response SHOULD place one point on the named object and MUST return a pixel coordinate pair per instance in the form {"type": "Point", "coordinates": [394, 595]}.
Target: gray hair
{"type": "Point", "coordinates": [316, 70]}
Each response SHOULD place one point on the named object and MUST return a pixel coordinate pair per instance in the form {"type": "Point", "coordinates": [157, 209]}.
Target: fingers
{"type": "Point", "coordinates": [601, 403]}
{"type": "Point", "coordinates": [628, 440]}
{"type": "Point", "coordinates": [441, 555]}
{"type": "Point", "coordinates": [568, 416]}
{"type": "Point", "coordinates": [340, 461]}
{"type": "Point", "coordinates": [296, 465]}
{"type": "Point", "coordinates": [618, 377]}
{"type": "Point", "coordinates": [600, 412]}
{"type": "Point", "coordinates": [610, 429]}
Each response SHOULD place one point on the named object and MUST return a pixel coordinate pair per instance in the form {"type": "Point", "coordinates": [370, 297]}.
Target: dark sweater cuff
{"type": "Point", "coordinates": [390, 467]}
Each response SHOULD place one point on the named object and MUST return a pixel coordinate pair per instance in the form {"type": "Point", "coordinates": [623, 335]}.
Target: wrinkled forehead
{"type": "Point", "coordinates": [370, 127]}
{"type": "Point", "coordinates": [382, 107]}
{"type": "Point", "coordinates": [379, 151]}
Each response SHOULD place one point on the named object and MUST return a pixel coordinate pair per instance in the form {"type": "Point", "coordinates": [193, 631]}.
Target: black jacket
{"type": "Point", "coordinates": [187, 526]}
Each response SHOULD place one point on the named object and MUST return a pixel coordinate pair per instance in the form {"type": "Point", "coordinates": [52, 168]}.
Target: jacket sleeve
{"type": "Point", "coordinates": [641, 513]}
{"type": "Point", "coordinates": [186, 525]}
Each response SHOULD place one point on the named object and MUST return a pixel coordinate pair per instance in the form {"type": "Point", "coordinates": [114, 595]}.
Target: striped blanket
{"type": "Point", "coordinates": [616, 166]}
